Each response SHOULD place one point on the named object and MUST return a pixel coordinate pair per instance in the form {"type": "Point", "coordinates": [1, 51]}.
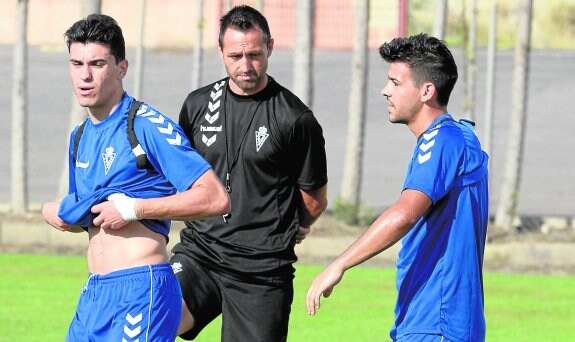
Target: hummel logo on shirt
{"type": "Point", "coordinates": [83, 165]}
{"type": "Point", "coordinates": [177, 267]}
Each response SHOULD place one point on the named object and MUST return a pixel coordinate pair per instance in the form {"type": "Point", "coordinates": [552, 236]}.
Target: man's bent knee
{"type": "Point", "coordinates": [187, 322]}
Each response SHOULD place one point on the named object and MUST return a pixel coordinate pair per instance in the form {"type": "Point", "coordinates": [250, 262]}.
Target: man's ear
{"type": "Point", "coordinates": [270, 47]}
{"type": "Point", "coordinates": [427, 91]}
{"type": "Point", "coordinates": [123, 65]}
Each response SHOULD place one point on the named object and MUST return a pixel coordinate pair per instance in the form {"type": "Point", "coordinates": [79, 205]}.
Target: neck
{"type": "Point", "coordinates": [102, 112]}
{"type": "Point", "coordinates": [424, 119]}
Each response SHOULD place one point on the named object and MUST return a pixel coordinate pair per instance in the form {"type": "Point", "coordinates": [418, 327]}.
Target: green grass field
{"type": "Point", "coordinates": [38, 295]}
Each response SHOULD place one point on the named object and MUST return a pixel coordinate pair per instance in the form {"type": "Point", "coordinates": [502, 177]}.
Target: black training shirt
{"type": "Point", "coordinates": [273, 147]}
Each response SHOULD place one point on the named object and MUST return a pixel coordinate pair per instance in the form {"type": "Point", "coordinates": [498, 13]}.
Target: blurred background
{"type": "Point", "coordinates": [516, 64]}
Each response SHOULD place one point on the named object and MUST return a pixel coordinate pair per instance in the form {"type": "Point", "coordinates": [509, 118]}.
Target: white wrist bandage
{"type": "Point", "coordinates": [125, 205]}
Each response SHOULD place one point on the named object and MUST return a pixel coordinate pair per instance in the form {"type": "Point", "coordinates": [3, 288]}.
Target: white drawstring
{"type": "Point", "coordinates": [85, 288]}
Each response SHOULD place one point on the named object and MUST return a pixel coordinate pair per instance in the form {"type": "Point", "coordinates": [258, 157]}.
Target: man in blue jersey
{"type": "Point", "coordinates": [132, 292]}
{"type": "Point", "coordinates": [442, 213]}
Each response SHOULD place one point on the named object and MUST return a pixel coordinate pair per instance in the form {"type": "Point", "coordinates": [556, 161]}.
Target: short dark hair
{"type": "Point", "coordinates": [429, 60]}
{"type": "Point", "coordinates": [244, 18]}
{"type": "Point", "coordinates": [98, 28]}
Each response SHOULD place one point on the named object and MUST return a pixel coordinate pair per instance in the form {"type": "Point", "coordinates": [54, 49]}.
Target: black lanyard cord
{"type": "Point", "coordinates": [229, 166]}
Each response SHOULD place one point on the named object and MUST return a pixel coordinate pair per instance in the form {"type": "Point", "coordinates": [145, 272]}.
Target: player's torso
{"type": "Point", "coordinates": [248, 138]}
{"type": "Point", "coordinates": [104, 157]}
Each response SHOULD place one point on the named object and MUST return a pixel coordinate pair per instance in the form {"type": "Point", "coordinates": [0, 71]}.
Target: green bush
{"type": "Point", "coordinates": [552, 26]}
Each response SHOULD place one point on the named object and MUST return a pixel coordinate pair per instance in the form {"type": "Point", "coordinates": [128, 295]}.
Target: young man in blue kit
{"type": "Point", "coordinates": [132, 292]}
{"type": "Point", "coordinates": [268, 149]}
{"type": "Point", "coordinates": [442, 213]}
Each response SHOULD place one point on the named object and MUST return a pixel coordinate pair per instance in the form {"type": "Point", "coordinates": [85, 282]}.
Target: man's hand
{"type": "Point", "coordinates": [50, 214]}
{"type": "Point", "coordinates": [301, 234]}
{"type": "Point", "coordinates": [116, 212]}
{"type": "Point", "coordinates": [322, 285]}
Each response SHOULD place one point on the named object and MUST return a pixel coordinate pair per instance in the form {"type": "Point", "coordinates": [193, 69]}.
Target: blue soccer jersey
{"type": "Point", "coordinates": [439, 269]}
{"type": "Point", "coordinates": [105, 163]}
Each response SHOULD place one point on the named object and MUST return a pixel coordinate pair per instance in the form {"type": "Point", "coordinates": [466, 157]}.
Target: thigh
{"type": "Point", "coordinates": [255, 312]}
{"type": "Point", "coordinates": [165, 310]}
{"type": "Point", "coordinates": [146, 305]}
{"type": "Point", "coordinates": [200, 292]}
{"type": "Point", "coordinates": [137, 303]}
{"type": "Point", "coordinates": [77, 331]}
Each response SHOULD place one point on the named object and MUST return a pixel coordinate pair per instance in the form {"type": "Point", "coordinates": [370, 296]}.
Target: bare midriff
{"type": "Point", "coordinates": [133, 245]}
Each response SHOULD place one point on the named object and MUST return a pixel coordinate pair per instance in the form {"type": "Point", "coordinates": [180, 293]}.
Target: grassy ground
{"type": "Point", "coordinates": [38, 295]}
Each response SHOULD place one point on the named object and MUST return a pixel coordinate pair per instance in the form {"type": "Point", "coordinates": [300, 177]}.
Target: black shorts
{"type": "Point", "coordinates": [251, 311]}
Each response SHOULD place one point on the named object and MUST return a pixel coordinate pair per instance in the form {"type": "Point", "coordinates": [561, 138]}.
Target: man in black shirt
{"type": "Point", "coordinates": [268, 149]}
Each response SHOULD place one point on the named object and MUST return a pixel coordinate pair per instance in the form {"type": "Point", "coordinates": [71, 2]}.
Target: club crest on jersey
{"type": "Point", "coordinates": [108, 158]}
{"type": "Point", "coordinates": [261, 137]}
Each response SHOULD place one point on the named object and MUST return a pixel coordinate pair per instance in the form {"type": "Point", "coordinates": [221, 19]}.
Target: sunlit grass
{"type": "Point", "coordinates": [38, 296]}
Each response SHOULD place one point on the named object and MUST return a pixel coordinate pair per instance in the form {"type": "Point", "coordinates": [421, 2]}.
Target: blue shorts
{"type": "Point", "coordinates": [141, 303]}
{"type": "Point", "coordinates": [422, 338]}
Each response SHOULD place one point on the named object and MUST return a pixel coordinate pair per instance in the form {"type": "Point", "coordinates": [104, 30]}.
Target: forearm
{"type": "Point", "coordinates": [205, 198]}
{"type": "Point", "coordinates": [312, 206]}
{"type": "Point", "coordinates": [180, 207]}
{"type": "Point", "coordinates": [387, 230]}
{"type": "Point", "coordinates": [50, 214]}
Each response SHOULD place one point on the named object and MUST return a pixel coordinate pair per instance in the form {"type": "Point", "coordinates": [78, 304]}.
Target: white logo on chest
{"type": "Point", "coordinates": [108, 158]}
{"type": "Point", "coordinates": [261, 137]}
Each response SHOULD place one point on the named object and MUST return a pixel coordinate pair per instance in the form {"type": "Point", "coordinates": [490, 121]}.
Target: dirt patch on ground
{"type": "Point", "coordinates": [330, 236]}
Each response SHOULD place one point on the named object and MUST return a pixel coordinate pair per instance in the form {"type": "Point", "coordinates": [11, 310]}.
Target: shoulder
{"type": "Point", "coordinates": [281, 93]}
{"type": "Point", "coordinates": [150, 123]}
{"type": "Point", "coordinates": [78, 128]}
{"type": "Point", "coordinates": [287, 107]}
{"type": "Point", "coordinates": [443, 143]}
{"type": "Point", "coordinates": [214, 90]}
{"type": "Point", "coordinates": [446, 134]}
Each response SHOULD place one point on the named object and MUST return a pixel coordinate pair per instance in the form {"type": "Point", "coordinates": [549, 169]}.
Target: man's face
{"type": "Point", "coordinates": [96, 78]}
{"type": "Point", "coordinates": [403, 95]}
{"type": "Point", "coordinates": [245, 56]}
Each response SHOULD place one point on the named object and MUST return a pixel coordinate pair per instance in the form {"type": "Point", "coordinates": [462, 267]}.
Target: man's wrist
{"type": "Point", "coordinates": [125, 205]}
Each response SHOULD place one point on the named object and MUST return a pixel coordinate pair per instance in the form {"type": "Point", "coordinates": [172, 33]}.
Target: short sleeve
{"type": "Point", "coordinates": [308, 152]}
{"type": "Point", "coordinates": [436, 162]}
{"type": "Point", "coordinates": [168, 149]}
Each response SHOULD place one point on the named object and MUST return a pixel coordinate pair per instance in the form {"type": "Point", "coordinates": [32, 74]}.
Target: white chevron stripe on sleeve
{"type": "Point", "coordinates": [167, 130]}
{"type": "Point", "coordinates": [213, 106]}
{"type": "Point", "coordinates": [430, 135]}
{"type": "Point", "coordinates": [158, 120]}
{"type": "Point", "coordinates": [175, 141]}
{"type": "Point", "coordinates": [215, 95]}
{"type": "Point", "coordinates": [425, 146]}
{"type": "Point", "coordinates": [422, 158]}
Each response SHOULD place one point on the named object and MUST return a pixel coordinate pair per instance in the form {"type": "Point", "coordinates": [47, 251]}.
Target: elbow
{"type": "Point", "coordinates": [321, 207]}
{"type": "Point", "coordinates": [224, 204]}
{"type": "Point", "coordinates": [227, 206]}
{"type": "Point", "coordinates": [317, 208]}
